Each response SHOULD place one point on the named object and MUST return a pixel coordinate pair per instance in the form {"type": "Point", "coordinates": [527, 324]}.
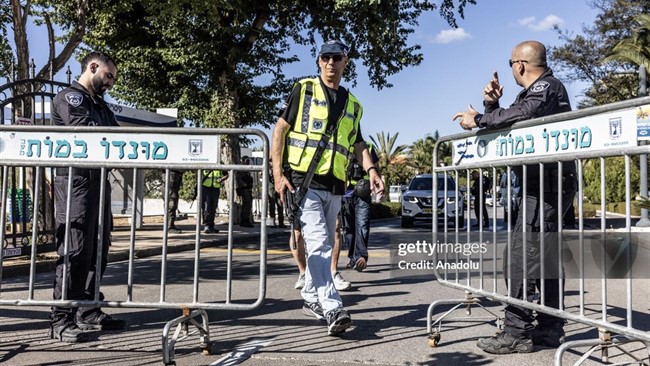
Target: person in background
{"type": "Point", "coordinates": [211, 188]}
{"type": "Point", "coordinates": [479, 199]}
{"type": "Point", "coordinates": [356, 213]}
{"type": "Point", "coordinates": [176, 180]}
{"type": "Point", "coordinates": [275, 205]}
{"type": "Point", "coordinates": [245, 191]}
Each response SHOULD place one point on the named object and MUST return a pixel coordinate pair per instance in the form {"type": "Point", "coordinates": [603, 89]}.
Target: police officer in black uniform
{"type": "Point", "coordinates": [245, 191]}
{"type": "Point", "coordinates": [543, 95]}
{"type": "Point", "coordinates": [82, 105]}
{"type": "Point", "coordinates": [175, 182]}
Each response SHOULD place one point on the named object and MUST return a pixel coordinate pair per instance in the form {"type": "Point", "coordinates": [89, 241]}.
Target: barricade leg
{"type": "Point", "coordinates": [604, 342]}
{"type": "Point", "coordinates": [182, 331]}
{"type": "Point", "coordinates": [468, 301]}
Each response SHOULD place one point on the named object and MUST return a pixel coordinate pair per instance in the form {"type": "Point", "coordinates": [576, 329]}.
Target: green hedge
{"type": "Point", "coordinates": [615, 207]}
{"type": "Point", "coordinates": [384, 210]}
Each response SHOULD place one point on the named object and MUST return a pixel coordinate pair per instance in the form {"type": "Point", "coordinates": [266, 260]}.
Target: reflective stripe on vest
{"type": "Point", "coordinates": [303, 139]}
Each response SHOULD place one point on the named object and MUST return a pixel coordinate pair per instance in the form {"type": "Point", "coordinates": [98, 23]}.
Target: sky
{"type": "Point", "coordinates": [457, 65]}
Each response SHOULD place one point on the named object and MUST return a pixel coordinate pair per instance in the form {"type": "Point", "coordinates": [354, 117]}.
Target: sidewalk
{"type": "Point", "coordinates": [148, 242]}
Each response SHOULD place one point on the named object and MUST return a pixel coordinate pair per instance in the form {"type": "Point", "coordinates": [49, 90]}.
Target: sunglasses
{"type": "Point", "coordinates": [512, 62]}
{"type": "Point", "coordinates": [335, 58]}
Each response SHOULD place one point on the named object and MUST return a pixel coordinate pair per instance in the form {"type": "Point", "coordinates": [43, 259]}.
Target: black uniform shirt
{"type": "Point", "coordinates": [545, 97]}
{"type": "Point", "coordinates": [74, 106]}
{"type": "Point", "coordinates": [289, 113]}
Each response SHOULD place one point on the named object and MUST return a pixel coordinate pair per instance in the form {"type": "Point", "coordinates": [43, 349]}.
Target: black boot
{"type": "Point", "coordinates": [67, 332]}
{"type": "Point", "coordinates": [504, 343]}
{"type": "Point", "coordinates": [99, 320]}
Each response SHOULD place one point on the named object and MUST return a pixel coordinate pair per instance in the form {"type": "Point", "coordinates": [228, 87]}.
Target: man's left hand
{"type": "Point", "coordinates": [466, 118]}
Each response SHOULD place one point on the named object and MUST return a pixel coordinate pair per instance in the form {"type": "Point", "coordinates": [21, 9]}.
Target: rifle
{"type": "Point", "coordinates": [293, 200]}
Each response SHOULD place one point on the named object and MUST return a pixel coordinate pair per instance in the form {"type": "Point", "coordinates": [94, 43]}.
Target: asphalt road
{"type": "Point", "coordinates": [388, 311]}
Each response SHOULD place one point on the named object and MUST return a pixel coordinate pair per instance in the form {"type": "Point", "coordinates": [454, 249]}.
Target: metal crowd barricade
{"type": "Point", "coordinates": [595, 133]}
{"type": "Point", "coordinates": [41, 147]}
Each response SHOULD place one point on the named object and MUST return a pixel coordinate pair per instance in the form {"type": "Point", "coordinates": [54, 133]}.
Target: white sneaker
{"type": "Point", "coordinates": [340, 283]}
{"type": "Point", "coordinates": [300, 283]}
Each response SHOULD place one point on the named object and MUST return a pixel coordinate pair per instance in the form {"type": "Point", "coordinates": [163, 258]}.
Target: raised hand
{"type": "Point", "coordinates": [493, 90]}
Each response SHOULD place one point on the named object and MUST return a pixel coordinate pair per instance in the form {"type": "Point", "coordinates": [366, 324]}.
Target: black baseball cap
{"type": "Point", "coordinates": [333, 48]}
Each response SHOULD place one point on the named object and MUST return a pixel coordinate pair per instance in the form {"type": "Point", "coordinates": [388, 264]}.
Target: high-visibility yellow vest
{"type": "Point", "coordinates": [311, 124]}
{"type": "Point", "coordinates": [211, 179]}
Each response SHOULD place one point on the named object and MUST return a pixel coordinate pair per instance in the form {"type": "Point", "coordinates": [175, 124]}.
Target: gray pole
{"type": "Point", "coordinates": [643, 159]}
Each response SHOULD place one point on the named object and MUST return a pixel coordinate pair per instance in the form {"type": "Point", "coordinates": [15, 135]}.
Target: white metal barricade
{"type": "Point", "coordinates": [472, 259]}
{"type": "Point", "coordinates": [41, 148]}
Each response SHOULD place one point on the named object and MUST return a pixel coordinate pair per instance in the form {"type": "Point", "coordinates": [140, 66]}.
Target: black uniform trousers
{"type": "Point", "coordinates": [519, 321]}
{"type": "Point", "coordinates": [83, 240]}
{"type": "Point", "coordinates": [479, 205]}
{"type": "Point", "coordinates": [355, 213]}
{"type": "Point", "coordinates": [275, 205]}
{"type": "Point", "coordinates": [175, 182]}
{"type": "Point", "coordinates": [246, 207]}
{"type": "Point", "coordinates": [210, 203]}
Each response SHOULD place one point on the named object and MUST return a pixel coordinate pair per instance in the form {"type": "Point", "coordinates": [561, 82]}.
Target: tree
{"type": "Point", "coordinates": [597, 57]}
{"type": "Point", "coordinates": [70, 17]}
{"type": "Point", "coordinates": [390, 155]}
{"type": "Point", "coordinates": [421, 153]}
{"type": "Point", "coordinates": [6, 55]}
{"type": "Point", "coordinates": [221, 62]}
{"type": "Point", "coordinates": [634, 49]}
{"type": "Point", "coordinates": [582, 58]}
{"type": "Point", "coordinates": [615, 186]}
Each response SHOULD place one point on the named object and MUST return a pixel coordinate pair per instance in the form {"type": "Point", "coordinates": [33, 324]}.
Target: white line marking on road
{"type": "Point", "coordinates": [242, 352]}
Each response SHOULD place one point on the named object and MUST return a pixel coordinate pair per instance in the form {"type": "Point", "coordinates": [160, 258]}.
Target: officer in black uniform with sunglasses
{"type": "Point", "coordinates": [543, 95]}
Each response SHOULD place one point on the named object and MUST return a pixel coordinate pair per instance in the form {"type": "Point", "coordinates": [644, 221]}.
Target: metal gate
{"type": "Point", "coordinates": [589, 136]}
{"type": "Point", "coordinates": [44, 148]}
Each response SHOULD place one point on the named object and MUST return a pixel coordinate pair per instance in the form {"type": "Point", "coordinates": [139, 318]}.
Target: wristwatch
{"type": "Point", "coordinates": [477, 120]}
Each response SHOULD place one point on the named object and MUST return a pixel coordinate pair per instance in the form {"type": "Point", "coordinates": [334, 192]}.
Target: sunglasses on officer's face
{"type": "Point", "coordinates": [335, 58]}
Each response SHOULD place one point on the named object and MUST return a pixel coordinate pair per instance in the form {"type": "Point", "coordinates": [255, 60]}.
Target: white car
{"type": "Point", "coordinates": [395, 193]}
{"type": "Point", "coordinates": [417, 201]}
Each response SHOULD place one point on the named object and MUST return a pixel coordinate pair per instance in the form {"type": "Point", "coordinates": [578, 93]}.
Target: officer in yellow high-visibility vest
{"type": "Point", "coordinates": [210, 190]}
{"type": "Point", "coordinates": [313, 105]}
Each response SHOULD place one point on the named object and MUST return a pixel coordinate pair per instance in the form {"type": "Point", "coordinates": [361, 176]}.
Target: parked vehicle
{"type": "Point", "coordinates": [417, 202]}
{"type": "Point", "coordinates": [395, 193]}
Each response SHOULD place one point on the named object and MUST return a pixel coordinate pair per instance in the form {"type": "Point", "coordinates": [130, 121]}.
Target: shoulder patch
{"type": "Point", "coordinates": [74, 98]}
{"type": "Point", "coordinates": [539, 86]}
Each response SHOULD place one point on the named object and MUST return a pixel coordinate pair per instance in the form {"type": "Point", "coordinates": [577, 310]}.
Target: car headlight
{"type": "Point", "coordinates": [410, 199]}
{"type": "Point", "coordinates": [451, 199]}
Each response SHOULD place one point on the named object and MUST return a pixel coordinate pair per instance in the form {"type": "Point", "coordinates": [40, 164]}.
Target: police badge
{"type": "Point", "coordinates": [539, 86]}
{"type": "Point", "coordinates": [74, 98]}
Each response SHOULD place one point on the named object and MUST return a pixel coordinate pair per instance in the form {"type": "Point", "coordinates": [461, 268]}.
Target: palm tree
{"type": "Point", "coordinates": [635, 49]}
{"type": "Point", "coordinates": [421, 153]}
{"type": "Point", "coordinates": [422, 150]}
{"type": "Point", "coordinates": [389, 154]}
